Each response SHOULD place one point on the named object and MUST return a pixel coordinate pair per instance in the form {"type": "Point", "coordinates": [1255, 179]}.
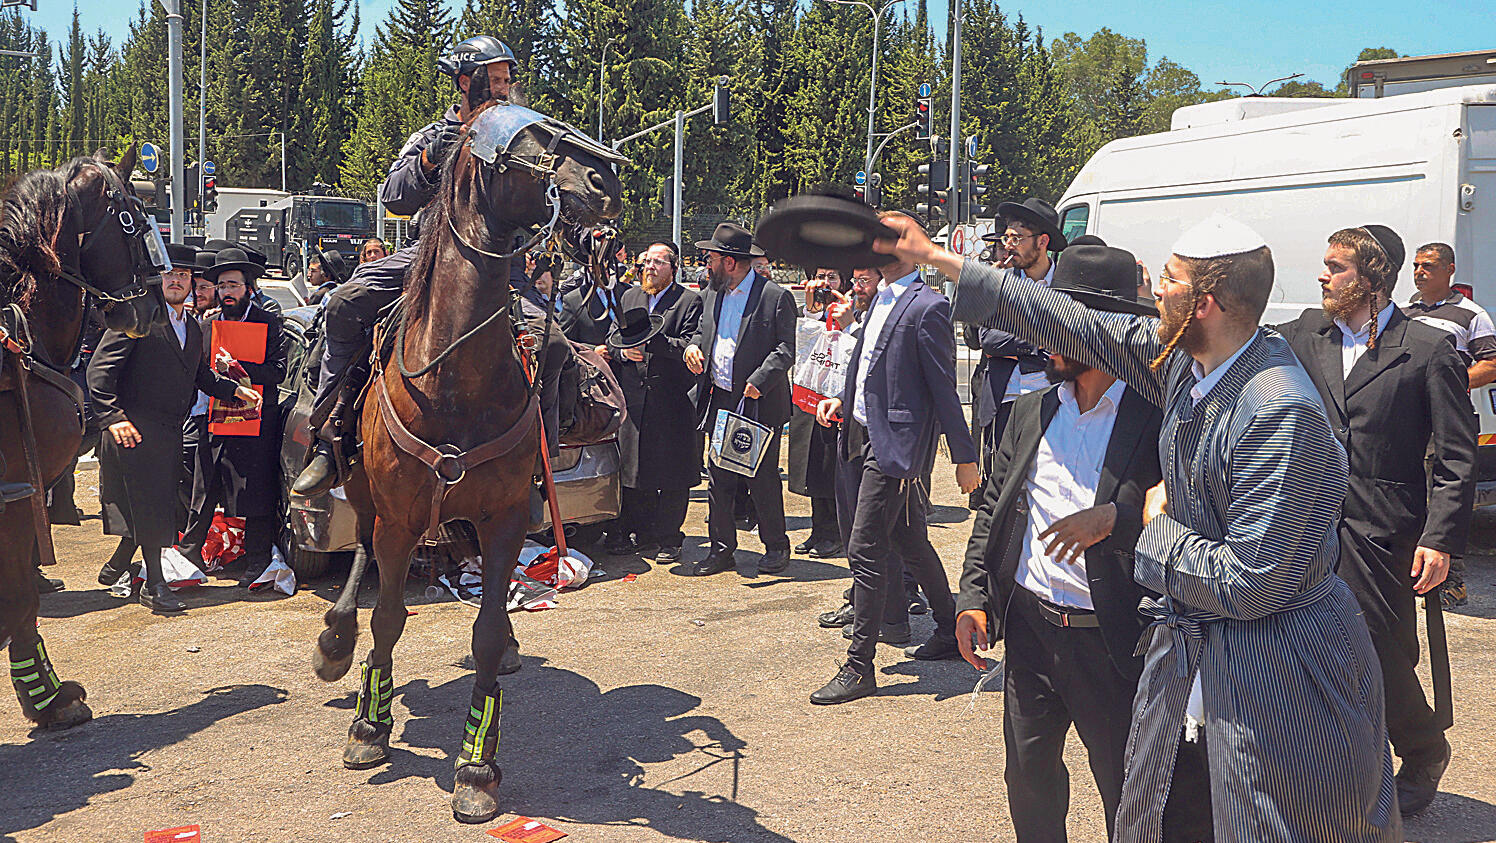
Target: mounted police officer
{"type": "Point", "coordinates": [482, 69]}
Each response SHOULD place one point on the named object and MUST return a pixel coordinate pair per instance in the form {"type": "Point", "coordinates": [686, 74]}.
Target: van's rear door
{"type": "Point", "coordinates": [1475, 257]}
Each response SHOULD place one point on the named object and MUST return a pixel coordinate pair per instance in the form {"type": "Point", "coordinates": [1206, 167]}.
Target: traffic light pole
{"type": "Point", "coordinates": [873, 159]}
{"type": "Point", "coordinates": [718, 106]}
{"type": "Point", "coordinates": [176, 155]}
{"type": "Point", "coordinates": [955, 100]}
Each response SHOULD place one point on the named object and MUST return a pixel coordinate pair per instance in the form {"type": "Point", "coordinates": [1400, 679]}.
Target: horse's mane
{"type": "Point", "coordinates": [31, 220]}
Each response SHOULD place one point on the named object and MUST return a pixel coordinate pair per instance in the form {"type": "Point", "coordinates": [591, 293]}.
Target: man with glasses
{"type": "Point", "coordinates": [241, 473]}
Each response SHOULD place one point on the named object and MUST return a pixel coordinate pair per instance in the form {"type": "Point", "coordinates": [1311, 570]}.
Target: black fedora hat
{"type": "Point", "coordinates": [202, 260]}
{"type": "Point", "coordinates": [255, 255]}
{"type": "Point", "coordinates": [819, 230]}
{"type": "Point", "coordinates": [333, 264]}
{"type": "Point", "coordinates": [636, 325]}
{"type": "Point", "coordinates": [1101, 278]}
{"type": "Point", "coordinates": [233, 258]}
{"type": "Point", "coordinates": [1037, 213]}
{"type": "Point", "coordinates": [731, 239]}
{"type": "Point", "coordinates": [181, 255]}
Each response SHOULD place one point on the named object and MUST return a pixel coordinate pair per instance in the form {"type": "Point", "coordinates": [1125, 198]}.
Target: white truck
{"type": "Point", "coordinates": [232, 200]}
{"type": "Point", "coordinates": [1296, 170]}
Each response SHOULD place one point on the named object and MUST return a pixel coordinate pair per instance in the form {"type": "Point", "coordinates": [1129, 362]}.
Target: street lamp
{"type": "Point", "coordinates": [602, 68]}
{"type": "Point", "coordinates": [872, 88]}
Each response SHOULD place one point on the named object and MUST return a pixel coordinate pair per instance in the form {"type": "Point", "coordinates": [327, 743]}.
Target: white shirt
{"type": "Point", "coordinates": [1204, 383]}
{"type": "Point", "coordinates": [729, 322]}
{"type": "Point", "coordinates": [877, 313]}
{"type": "Point", "coordinates": [1018, 382]}
{"type": "Point", "coordinates": [1063, 481]}
{"type": "Point", "coordinates": [654, 298]}
{"type": "Point", "coordinates": [1353, 343]}
{"type": "Point", "coordinates": [179, 324]}
{"type": "Point", "coordinates": [1474, 333]}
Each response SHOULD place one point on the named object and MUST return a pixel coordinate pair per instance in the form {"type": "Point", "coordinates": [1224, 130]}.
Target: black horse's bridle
{"type": "Point", "coordinates": [136, 225]}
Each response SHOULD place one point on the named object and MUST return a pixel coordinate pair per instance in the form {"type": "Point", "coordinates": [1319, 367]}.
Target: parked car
{"type": "Point", "coordinates": [320, 526]}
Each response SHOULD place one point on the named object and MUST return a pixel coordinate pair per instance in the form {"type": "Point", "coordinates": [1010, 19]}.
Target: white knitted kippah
{"type": "Point", "coordinates": [1217, 236]}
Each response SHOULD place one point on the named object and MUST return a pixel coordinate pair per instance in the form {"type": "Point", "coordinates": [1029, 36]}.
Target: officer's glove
{"type": "Point", "coordinates": [440, 146]}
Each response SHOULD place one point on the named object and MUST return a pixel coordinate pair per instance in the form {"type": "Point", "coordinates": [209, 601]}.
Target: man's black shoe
{"type": "Point", "coordinates": [620, 544]}
{"type": "Point", "coordinates": [840, 618]}
{"type": "Point", "coordinates": [159, 599]}
{"type": "Point", "coordinates": [1418, 783]}
{"type": "Point", "coordinates": [917, 603]}
{"type": "Point", "coordinates": [847, 686]}
{"type": "Point", "coordinates": [46, 584]}
{"type": "Point", "coordinates": [320, 475]}
{"type": "Point", "coordinates": [668, 555]}
{"type": "Point", "coordinates": [938, 648]}
{"type": "Point", "coordinates": [109, 575]}
{"type": "Point", "coordinates": [894, 635]}
{"type": "Point", "coordinates": [252, 572]}
{"type": "Point", "coordinates": [773, 561]}
{"type": "Point", "coordinates": [714, 563]}
{"type": "Point", "coordinates": [829, 549]}
{"type": "Point", "coordinates": [805, 546]}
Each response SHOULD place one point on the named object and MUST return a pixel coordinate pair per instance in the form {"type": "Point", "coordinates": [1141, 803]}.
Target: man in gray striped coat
{"type": "Point", "coordinates": [1258, 652]}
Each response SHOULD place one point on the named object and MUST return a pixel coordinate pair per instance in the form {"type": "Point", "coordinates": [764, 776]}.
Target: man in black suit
{"type": "Point", "coordinates": [141, 390]}
{"type": "Point", "coordinates": [1394, 390]}
{"type": "Point", "coordinates": [741, 355]}
{"type": "Point", "coordinates": [589, 313]}
{"type": "Point", "coordinates": [241, 473]}
{"type": "Point", "coordinates": [900, 393]}
{"type": "Point", "coordinates": [1049, 564]}
{"type": "Point", "coordinates": [659, 444]}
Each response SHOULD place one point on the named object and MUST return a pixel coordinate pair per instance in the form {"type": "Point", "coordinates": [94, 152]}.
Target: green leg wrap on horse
{"type": "Point", "coordinates": [32, 674]}
{"type": "Point", "coordinates": [480, 738]}
{"type": "Point", "coordinates": [375, 694]}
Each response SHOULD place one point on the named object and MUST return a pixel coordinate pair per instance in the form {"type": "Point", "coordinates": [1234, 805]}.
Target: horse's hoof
{"type": "Point", "coordinates": [475, 792]}
{"type": "Point", "coordinates": [510, 662]}
{"type": "Point", "coordinates": [368, 746]}
{"type": "Point", "coordinates": [73, 714]}
{"type": "Point", "coordinates": [330, 670]}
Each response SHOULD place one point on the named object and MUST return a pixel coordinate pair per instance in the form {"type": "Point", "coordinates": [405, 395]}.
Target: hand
{"type": "Point", "coordinates": [125, 435]}
{"type": "Point", "coordinates": [636, 354]}
{"type": "Point", "coordinates": [250, 397]}
{"type": "Point", "coordinates": [811, 305]}
{"type": "Point", "coordinates": [843, 312]}
{"type": "Point", "coordinates": [1078, 531]}
{"type": "Point", "coordinates": [968, 477]}
{"type": "Point", "coordinates": [436, 151]}
{"type": "Point", "coordinates": [600, 350]}
{"type": "Point", "coordinates": [694, 361]}
{"type": "Point", "coordinates": [751, 391]}
{"type": "Point", "coordinates": [972, 623]}
{"type": "Point", "coordinates": [827, 411]}
{"type": "Point", "coordinates": [1430, 567]}
{"type": "Point", "coordinates": [1156, 504]}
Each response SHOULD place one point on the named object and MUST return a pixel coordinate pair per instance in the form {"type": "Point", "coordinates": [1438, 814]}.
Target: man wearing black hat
{"type": "Point", "coordinates": [256, 257]}
{"type": "Point", "coordinates": [741, 354]}
{"type": "Point", "coordinates": [482, 69]}
{"type": "Point", "coordinates": [1010, 367]}
{"type": "Point", "coordinates": [1394, 390]}
{"type": "Point", "coordinates": [1049, 564]}
{"type": "Point", "coordinates": [240, 472]}
{"type": "Point", "coordinates": [142, 389]}
{"type": "Point", "coordinates": [324, 272]}
{"type": "Point", "coordinates": [659, 444]}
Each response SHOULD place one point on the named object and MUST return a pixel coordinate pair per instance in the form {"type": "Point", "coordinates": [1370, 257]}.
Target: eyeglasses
{"type": "Point", "coordinates": [1163, 275]}
{"type": "Point", "coordinates": [1013, 239]}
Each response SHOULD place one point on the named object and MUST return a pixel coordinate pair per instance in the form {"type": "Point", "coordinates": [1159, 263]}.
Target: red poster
{"type": "Point", "coordinates": [526, 830]}
{"type": "Point", "coordinates": [185, 834]}
{"type": "Point", "coordinates": [245, 343]}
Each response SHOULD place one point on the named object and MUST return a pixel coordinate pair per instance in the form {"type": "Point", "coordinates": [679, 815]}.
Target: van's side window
{"type": "Point", "coordinates": [1073, 221]}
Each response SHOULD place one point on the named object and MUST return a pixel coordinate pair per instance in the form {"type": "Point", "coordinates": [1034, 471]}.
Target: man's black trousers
{"type": "Point", "coordinates": [655, 516]}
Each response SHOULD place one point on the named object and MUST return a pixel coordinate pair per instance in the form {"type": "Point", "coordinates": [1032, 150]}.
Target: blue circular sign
{"type": "Point", "coordinates": [209, 168]}
{"type": "Point", "coordinates": [924, 89]}
{"type": "Point", "coordinates": [861, 177]}
{"type": "Point", "coordinates": [150, 157]}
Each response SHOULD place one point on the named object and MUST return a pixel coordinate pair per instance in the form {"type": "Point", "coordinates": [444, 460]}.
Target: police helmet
{"type": "Point", "coordinates": [474, 53]}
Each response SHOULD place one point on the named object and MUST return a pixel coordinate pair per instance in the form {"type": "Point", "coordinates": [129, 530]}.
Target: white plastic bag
{"type": "Point", "coordinates": [278, 575]}
{"type": "Point", "coordinates": [822, 356]}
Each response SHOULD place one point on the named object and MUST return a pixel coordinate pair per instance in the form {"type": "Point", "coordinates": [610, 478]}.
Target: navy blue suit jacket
{"type": "Point", "coordinates": [911, 385]}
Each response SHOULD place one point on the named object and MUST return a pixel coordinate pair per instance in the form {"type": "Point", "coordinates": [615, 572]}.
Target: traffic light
{"type": "Point", "coordinates": [667, 197]}
{"type": "Point", "coordinates": [859, 192]}
{"type": "Point", "coordinates": [935, 183]}
{"type": "Point", "coordinates": [210, 194]}
{"type": "Point", "coordinates": [874, 192]}
{"type": "Point", "coordinates": [720, 111]}
{"type": "Point", "coordinates": [189, 186]}
{"type": "Point", "coordinates": [974, 190]}
{"type": "Point", "coordinates": [923, 118]}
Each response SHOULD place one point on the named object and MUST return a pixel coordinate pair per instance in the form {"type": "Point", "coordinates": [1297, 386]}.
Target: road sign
{"type": "Point", "coordinates": [971, 146]}
{"type": "Point", "coordinates": [209, 168]}
{"type": "Point", "coordinates": [150, 157]}
{"type": "Point", "coordinates": [958, 240]}
{"type": "Point", "coordinates": [924, 89]}
{"type": "Point", "coordinates": [861, 177]}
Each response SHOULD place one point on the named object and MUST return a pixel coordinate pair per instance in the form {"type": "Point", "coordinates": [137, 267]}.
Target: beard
{"type": "Point", "coordinates": [1063, 369]}
{"type": "Point", "coordinates": [237, 307]}
{"type": "Point", "coordinates": [1171, 318]}
{"type": "Point", "coordinates": [716, 277]}
{"type": "Point", "coordinates": [1350, 299]}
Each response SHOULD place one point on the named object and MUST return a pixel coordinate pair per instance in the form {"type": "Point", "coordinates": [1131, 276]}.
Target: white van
{"type": "Point", "coordinates": [1298, 169]}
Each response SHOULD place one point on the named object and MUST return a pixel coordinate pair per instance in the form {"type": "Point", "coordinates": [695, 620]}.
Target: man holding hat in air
{"type": "Point", "coordinates": [1395, 392]}
{"type": "Point", "coordinates": [1259, 675]}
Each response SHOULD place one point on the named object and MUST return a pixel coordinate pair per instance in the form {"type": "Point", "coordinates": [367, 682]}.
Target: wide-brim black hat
{"type": "Point", "coordinates": [731, 239]}
{"type": "Point", "coordinates": [233, 258]}
{"type": "Point", "coordinates": [1101, 278]}
{"type": "Point", "coordinates": [181, 256]}
{"type": "Point", "coordinates": [815, 230]}
{"type": "Point", "coordinates": [636, 325]}
{"type": "Point", "coordinates": [1040, 215]}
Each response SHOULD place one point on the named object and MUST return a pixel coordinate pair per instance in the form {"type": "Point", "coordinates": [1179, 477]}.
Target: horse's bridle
{"type": "Point", "coordinates": [136, 225]}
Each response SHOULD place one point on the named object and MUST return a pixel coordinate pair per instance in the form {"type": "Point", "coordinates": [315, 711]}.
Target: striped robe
{"type": "Point", "coordinates": [1245, 559]}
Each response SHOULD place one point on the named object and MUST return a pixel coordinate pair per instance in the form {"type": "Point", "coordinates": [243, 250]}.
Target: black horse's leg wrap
{"type": "Point", "coordinates": [375, 694]}
{"type": "Point", "coordinates": [369, 734]}
{"type": "Point", "coordinates": [32, 675]}
{"type": "Point", "coordinates": [480, 738]}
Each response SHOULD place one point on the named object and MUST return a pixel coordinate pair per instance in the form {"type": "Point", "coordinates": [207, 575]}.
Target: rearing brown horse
{"type": "Point", "coordinates": [450, 423]}
{"type": "Point", "coordinates": [69, 237]}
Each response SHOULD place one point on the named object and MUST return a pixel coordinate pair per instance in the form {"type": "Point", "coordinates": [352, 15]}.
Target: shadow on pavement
{"type": "Point", "coordinates": [574, 753]}
{"type": "Point", "coordinates": [55, 773]}
{"type": "Point", "coordinates": [72, 604]}
{"type": "Point", "coordinates": [1453, 819]}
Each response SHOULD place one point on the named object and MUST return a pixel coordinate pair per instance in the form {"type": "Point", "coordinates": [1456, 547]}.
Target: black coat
{"type": "Point", "coordinates": [659, 445]}
{"type": "Point", "coordinates": [812, 456]}
{"type": "Point", "coordinates": [588, 319]}
{"type": "Point", "coordinates": [1129, 469]}
{"type": "Point", "coordinates": [765, 353]}
{"type": "Point", "coordinates": [1001, 353]}
{"type": "Point", "coordinates": [247, 467]}
{"type": "Point", "coordinates": [151, 382]}
{"type": "Point", "coordinates": [1404, 399]}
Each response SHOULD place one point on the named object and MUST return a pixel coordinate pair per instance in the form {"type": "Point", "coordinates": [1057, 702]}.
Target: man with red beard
{"type": "Point", "coordinates": [1394, 390]}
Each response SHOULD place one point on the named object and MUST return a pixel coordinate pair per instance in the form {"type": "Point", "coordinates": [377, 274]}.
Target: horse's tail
{"type": "Point", "coordinates": [335, 645]}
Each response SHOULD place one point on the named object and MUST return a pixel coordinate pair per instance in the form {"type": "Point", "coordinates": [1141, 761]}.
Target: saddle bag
{"type": "Point", "coordinates": [600, 406]}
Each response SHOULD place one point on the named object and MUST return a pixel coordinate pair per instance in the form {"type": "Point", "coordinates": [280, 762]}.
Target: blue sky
{"type": "Point", "coordinates": [1245, 41]}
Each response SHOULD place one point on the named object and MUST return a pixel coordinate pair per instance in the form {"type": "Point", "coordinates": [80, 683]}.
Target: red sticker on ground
{"type": "Point", "coordinates": [526, 830]}
{"type": "Point", "coordinates": [185, 834]}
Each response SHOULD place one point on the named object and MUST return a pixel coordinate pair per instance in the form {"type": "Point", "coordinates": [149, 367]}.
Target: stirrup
{"type": "Point", "coordinates": [12, 492]}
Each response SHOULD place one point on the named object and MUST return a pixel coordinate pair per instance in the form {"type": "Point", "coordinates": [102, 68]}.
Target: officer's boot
{"type": "Point", "coordinates": [321, 472]}
{"type": "Point", "coordinates": [11, 492]}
